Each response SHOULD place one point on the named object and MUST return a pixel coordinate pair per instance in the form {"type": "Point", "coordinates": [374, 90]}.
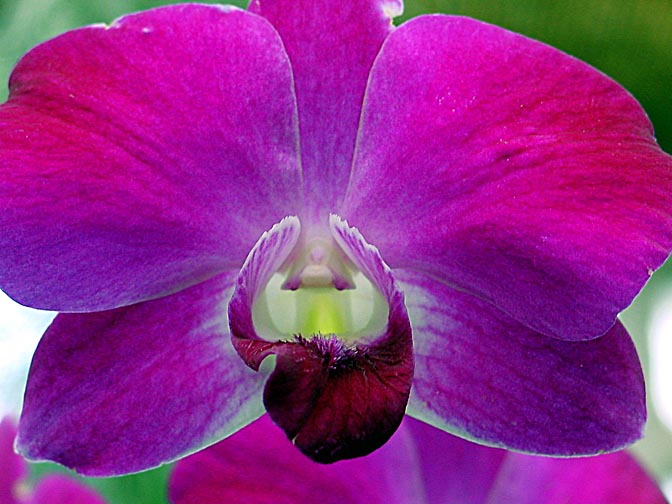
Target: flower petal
{"type": "Point", "coordinates": [258, 465]}
{"type": "Point", "coordinates": [478, 474]}
{"type": "Point", "coordinates": [520, 175]}
{"type": "Point", "coordinates": [332, 48]}
{"type": "Point", "coordinates": [454, 470]}
{"type": "Point", "coordinates": [128, 389]}
{"type": "Point", "coordinates": [60, 489]}
{"type": "Point", "coordinates": [333, 400]}
{"type": "Point", "coordinates": [615, 478]}
{"type": "Point", "coordinates": [484, 376]}
{"type": "Point", "coordinates": [12, 467]}
{"type": "Point", "coordinates": [141, 158]}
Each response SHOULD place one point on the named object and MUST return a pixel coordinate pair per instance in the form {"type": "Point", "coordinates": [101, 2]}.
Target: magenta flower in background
{"type": "Point", "coordinates": [419, 465]}
{"type": "Point", "coordinates": [503, 201]}
{"type": "Point", "coordinates": [51, 489]}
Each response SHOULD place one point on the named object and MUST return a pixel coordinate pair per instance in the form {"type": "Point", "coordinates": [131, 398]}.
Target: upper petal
{"type": "Point", "coordinates": [332, 46]}
{"type": "Point", "coordinates": [484, 376]}
{"type": "Point", "coordinates": [511, 171]}
{"type": "Point", "coordinates": [143, 157]}
{"type": "Point", "coordinates": [128, 389]}
{"type": "Point", "coordinates": [258, 465]}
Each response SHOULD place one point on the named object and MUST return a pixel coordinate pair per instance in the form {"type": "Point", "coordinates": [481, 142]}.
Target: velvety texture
{"type": "Point", "coordinates": [419, 465]}
{"type": "Point", "coordinates": [144, 385]}
{"type": "Point", "coordinates": [482, 375]}
{"type": "Point", "coordinates": [511, 171]}
{"type": "Point", "coordinates": [150, 154]}
{"type": "Point", "coordinates": [331, 47]}
{"type": "Point", "coordinates": [334, 399]}
{"type": "Point", "coordinates": [50, 489]}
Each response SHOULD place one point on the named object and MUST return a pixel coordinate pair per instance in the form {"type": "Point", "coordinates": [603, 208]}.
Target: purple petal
{"type": "Point", "coordinates": [511, 171]}
{"type": "Point", "coordinates": [484, 376]}
{"type": "Point", "coordinates": [13, 468]}
{"type": "Point", "coordinates": [454, 470]}
{"type": "Point", "coordinates": [128, 389]}
{"type": "Point", "coordinates": [258, 465]}
{"type": "Point", "coordinates": [334, 399]}
{"type": "Point", "coordinates": [60, 489]}
{"type": "Point", "coordinates": [144, 157]}
{"type": "Point", "coordinates": [332, 48]}
{"type": "Point", "coordinates": [615, 478]}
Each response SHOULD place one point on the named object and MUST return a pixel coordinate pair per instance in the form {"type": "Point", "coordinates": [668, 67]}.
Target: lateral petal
{"type": "Point", "coordinates": [511, 171]}
{"type": "Point", "coordinates": [484, 376]}
{"type": "Point", "coordinates": [128, 389]}
{"type": "Point", "coordinates": [332, 47]}
{"type": "Point", "coordinates": [144, 157]}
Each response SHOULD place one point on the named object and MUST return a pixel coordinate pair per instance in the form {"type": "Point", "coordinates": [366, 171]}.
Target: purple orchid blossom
{"type": "Point", "coordinates": [419, 465]}
{"type": "Point", "coordinates": [51, 489]}
{"type": "Point", "coordinates": [178, 184]}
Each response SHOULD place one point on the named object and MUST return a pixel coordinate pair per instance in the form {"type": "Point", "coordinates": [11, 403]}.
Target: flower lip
{"type": "Point", "coordinates": [334, 398]}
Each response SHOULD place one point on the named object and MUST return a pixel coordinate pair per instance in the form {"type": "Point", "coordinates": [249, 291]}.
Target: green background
{"type": "Point", "coordinates": [630, 40]}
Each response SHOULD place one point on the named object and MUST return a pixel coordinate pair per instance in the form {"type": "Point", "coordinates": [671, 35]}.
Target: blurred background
{"type": "Point", "coordinates": [630, 40]}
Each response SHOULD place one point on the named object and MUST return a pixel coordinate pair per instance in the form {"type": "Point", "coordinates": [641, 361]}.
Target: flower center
{"type": "Point", "coordinates": [320, 292]}
{"type": "Point", "coordinates": [332, 317]}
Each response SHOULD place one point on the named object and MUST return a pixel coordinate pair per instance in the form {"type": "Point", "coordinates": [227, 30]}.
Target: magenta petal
{"type": "Point", "coordinates": [334, 399]}
{"type": "Point", "coordinates": [141, 158]}
{"type": "Point", "coordinates": [615, 478]}
{"type": "Point", "coordinates": [511, 171]}
{"type": "Point", "coordinates": [332, 48]}
{"type": "Point", "coordinates": [258, 465]}
{"type": "Point", "coordinates": [128, 389]}
{"type": "Point", "coordinates": [60, 489]}
{"type": "Point", "coordinates": [484, 376]}
{"type": "Point", "coordinates": [454, 470]}
{"type": "Point", "coordinates": [458, 471]}
{"type": "Point", "coordinates": [12, 467]}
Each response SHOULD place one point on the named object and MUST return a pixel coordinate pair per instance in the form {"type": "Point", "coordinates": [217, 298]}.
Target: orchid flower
{"type": "Point", "coordinates": [51, 489]}
{"type": "Point", "coordinates": [419, 465]}
{"type": "Point", "coordinates": [302, 209]}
